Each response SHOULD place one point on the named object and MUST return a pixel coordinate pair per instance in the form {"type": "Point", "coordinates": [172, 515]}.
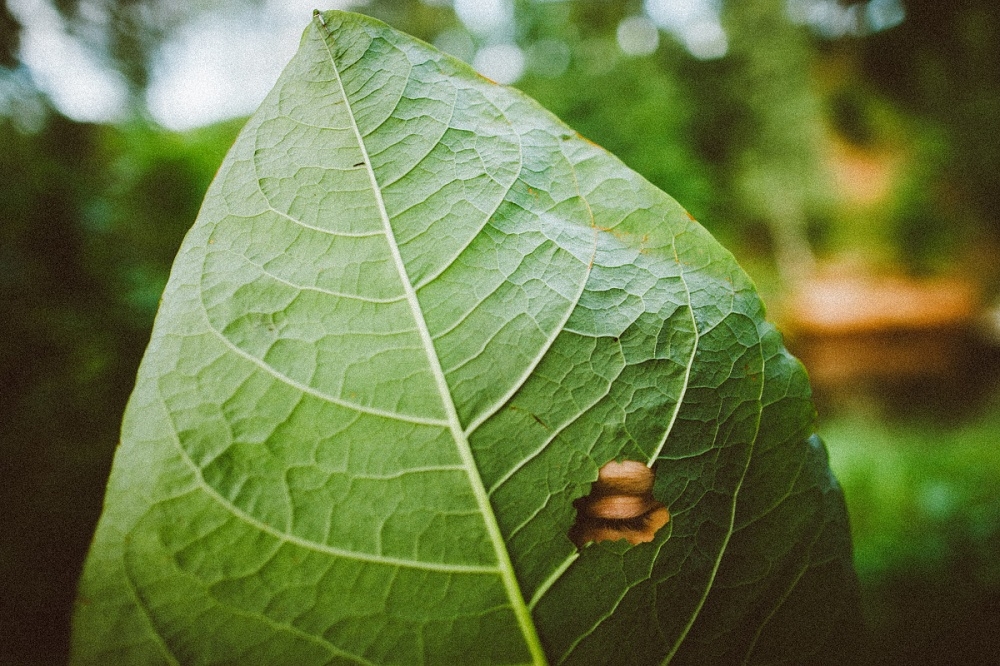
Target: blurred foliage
{"type": "Point", "coordinates": [9, 37]}
{"type": "Point", "coordinates": [941, 66]}
{"type": "Point", "coordinates": [925, 494]}
{"type": "Point", "coordinates": [924, 94]}
{"type": "Point", "coordinates": [776, 139]}
{"type": "Point", "coordinates": [128, 33]}
{"type": "Point", "coordinates": [640, 109]}
{"type": "Point", "coordinates": [926, 520]}
{"type": "Point", "coordinates": [92, 216]}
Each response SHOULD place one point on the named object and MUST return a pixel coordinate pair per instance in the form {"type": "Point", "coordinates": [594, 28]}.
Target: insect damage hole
{"type": "Point", "coordinates": [620, 506]}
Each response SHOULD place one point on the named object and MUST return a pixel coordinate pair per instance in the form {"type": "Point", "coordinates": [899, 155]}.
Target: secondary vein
{"type": "Point", "coordinates": [687, 372]}
{"type": "Point", "coordinates": [286, 537]}
{"type": "Point", "coordinates": [729, 532]}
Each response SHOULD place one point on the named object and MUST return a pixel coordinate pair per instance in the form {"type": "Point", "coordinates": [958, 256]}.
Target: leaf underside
{"type": "Point", "coordinates": [415, 316]}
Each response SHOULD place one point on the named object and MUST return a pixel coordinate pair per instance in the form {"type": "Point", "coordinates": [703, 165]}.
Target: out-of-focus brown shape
{"type": "Point", "coordinates": [849, 326]}
{"type": "Point", "coordinates": [842, 359]}
{"type": "Point", "coordinates": [841, 304]}
{"type": "Point", "coordinates": [620, 506]}
{"type": "Point", "coordinates": [862, 176]}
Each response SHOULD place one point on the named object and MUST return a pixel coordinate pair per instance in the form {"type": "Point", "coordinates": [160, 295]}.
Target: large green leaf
{"type": "Point", "coordinates": [414, 318]}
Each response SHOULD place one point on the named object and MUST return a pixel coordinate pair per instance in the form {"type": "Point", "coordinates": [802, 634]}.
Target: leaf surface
{"type": "Point", "coordinates": [415, 316]}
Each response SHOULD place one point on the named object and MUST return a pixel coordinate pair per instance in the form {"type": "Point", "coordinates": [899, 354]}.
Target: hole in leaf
{"type": "Point", "coordinates": [620, 506]}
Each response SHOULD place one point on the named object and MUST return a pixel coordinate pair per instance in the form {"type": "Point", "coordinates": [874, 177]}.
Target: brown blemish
{"type": "Point", "coordinates": [620, 506]}
{"type": "Point", "coordinates": [536, 417]}
{"type": "Point", "coordinates": [540, 421]}
{"type": "Point", "coordinates": [580, 136]}
{"type": "Point", "coordinates": [624, 236]}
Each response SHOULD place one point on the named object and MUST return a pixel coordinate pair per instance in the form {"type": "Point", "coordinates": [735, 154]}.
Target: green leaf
{"type": "Point", "coordinates": [415, 316]}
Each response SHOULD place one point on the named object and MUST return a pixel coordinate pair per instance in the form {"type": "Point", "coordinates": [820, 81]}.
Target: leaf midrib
{"type": "Point", "coordinates": [511, 585]}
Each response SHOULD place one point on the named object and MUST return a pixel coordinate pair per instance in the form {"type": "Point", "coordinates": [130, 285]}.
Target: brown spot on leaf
{"type": "Point", "coordinates": [580, 136]}
{"type": "Point", "coordinates": [540, 421]}
{"type": "Point", "coordinates": [620, 506]}
{"type": "Point", "coordinates": [536, 417]}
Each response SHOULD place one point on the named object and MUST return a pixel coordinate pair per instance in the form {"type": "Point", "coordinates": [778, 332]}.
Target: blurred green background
{"type": "Point", "coordinates": [848, 153]}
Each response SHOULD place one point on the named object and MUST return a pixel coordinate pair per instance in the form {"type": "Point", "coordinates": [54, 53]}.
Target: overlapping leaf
{"type": "Point", "coordinates": [414, 317]}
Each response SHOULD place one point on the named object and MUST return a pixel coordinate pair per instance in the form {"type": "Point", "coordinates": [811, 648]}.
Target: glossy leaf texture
{"type": "Point", "coordinates": [415, 316]}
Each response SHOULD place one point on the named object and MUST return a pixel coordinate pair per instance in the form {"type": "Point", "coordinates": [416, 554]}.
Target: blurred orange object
{"type": "Point", "coordinates": [857, 304]}
{"type": "Point", "coordinates": [853, 326]}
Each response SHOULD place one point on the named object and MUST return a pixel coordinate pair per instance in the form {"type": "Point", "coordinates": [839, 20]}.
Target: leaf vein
{"type": "Point", "coordinates": [405, 472]}
{"type": "Point", "coordinates": [147, 615]}
{"type": "Point", "coordinates": [318, 290]}
{"type": "Point", "coordinates": [305, 225]}
{"type": "Point", "coordinates": [488, 216]}
{"type": "Point", "coordinates": [490, 411]}
{"type": "Point", "coordinates": [511, 584]}
{"type": "Point", "coordinates": [729, 529]}
{"type": "Point", "coordinates": [687, 370]}
{"type": "Point", "coordinates": [373, 411]}
{"type": "Point", "coordinates": [781, 601]}
{"type": "Point", "coordinates": [576, 417]}
{"type": "Point", "coordinates": [611, 611]}
{"type": "Point", "coordinates": [308, 544]}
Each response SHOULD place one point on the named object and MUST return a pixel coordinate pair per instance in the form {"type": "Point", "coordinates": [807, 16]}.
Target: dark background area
{"type": "Point", "coordinates": [848, 155]}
